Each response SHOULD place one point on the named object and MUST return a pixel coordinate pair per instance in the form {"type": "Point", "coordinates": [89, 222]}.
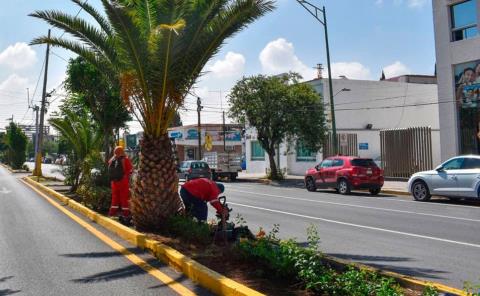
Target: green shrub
{"type": "Point", "coordinates": [97, 198]}
{"type": "Point", "coordinates": [189, 230]}
{"type": "Point", "coordinates": [287, 259]}
{"type": "Point", "coordinates": [94, 188]}
{"type": "Point", "coordinates": [471, 289]}
{"type": "Point", "coordinates": [430, 291]}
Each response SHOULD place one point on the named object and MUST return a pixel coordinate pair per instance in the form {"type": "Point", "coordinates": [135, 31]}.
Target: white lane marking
{"type": "Point", "coordinates": [361, 226]}
{"type": "Point", "coordinates": [358, 206]}
{"type": "Point", "coordinates": [5, 191]}
{"type": "Point", "coordinates": [398, 199]}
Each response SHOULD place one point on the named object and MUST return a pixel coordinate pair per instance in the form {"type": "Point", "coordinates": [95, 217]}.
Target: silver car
{"type": "Point", "coordinates": [457, 178]}
{"type": "Point", "coordinates": [193, 169]}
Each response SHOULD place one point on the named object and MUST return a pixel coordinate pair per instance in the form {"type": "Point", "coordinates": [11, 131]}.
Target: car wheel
{"type": "Point", "coordinates": [420, 191]}
{"type": "Point", "coordinates": [374, 191]}
{"type": "Point", "coordinates": [310, 184]}
{"type": "Point", "coordinates": [233, 177]}
{"type": "Point", "coordinates": [343, 187]}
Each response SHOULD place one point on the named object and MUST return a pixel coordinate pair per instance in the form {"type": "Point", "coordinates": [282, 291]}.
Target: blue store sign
{"type": "Point", "coordinates": [363, 146]}
{"type": "Point", "coordinates": [192, 134]}
{"type": "Point", "coordinates": [175, 135]}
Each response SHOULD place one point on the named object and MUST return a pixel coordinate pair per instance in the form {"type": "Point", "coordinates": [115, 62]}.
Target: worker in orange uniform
{"type": "Point", "coordinates": [120, 168]}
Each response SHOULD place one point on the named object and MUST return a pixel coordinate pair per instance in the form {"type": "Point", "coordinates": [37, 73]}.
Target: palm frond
{"type": "Point", "coordinates": [104, 24]}
{"type": "Point", "coordinates": [95, 39]}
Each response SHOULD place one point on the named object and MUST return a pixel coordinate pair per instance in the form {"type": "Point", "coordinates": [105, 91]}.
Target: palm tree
{"type": "Point", "coordinates": [81, 136]}
{"type": "Point", "coordinates": [156, 49]}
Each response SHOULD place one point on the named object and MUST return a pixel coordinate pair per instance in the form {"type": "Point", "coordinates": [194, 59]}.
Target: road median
{"type": "Point", "coordinates": [197, 272]}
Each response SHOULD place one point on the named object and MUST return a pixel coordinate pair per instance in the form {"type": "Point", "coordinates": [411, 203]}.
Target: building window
{"type": "Point", "coordinates": [464, 20]}
{"type": "Point", "coordinates": [304, 154]}
{"type": "Point", "coordinates": [257, 151]}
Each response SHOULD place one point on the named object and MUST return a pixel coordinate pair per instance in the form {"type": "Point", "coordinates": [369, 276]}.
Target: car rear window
{"type": "Point", "coordinates": [363, 162]}
{"type": "Point", "coordinates": [199, 165]}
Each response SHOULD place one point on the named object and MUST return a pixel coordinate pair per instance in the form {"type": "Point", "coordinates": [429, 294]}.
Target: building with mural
{"type": "Point", "coordinates": [457, 44]}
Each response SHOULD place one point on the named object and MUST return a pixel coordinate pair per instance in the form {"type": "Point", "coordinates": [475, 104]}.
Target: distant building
{"type": "Point", "coordinates": [457, 43]}
{"type": "Point", "coordinates": [362, 108]}
{"type": "Point", "coordinates": [186, 139]}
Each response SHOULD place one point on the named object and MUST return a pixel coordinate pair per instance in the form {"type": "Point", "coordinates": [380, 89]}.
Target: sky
{"type": "Point", "coordinates": [365, 36]}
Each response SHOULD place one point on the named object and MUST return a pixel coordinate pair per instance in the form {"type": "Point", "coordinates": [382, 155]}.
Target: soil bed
{"type": "Point", "coordinates": [226, 261]}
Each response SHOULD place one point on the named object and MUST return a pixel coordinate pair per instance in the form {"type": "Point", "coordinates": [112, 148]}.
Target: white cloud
{"type": "Point", "coordinates": [396, 69]}
{"type": "Point", "coordinates": [18, 56]}
{"type": "Point", "coordinates": [278, 57]}
{"type": "Point", "coordinates": [416, 3]}
{"type": "Point", "coordinates": [410, 3]}
{"type": "Point", "coordinates": [14, 84]}
{"type": "Point", "coordinates": [352, 70]}
{"type": "Point", "coordinates": [233, 65]}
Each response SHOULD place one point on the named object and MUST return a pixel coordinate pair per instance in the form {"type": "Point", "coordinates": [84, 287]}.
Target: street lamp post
{"type": "Point", "coordinates": [314, 11]}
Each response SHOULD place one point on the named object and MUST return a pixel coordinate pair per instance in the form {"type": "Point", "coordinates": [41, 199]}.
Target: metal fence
{"type": "Point", "coordinates": [406, 151]}
{"type": "Point", "coordinates": [346, 144]}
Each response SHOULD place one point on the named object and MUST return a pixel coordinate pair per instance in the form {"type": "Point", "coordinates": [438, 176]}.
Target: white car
{"type": "Point", "coordinates": [457, 178]}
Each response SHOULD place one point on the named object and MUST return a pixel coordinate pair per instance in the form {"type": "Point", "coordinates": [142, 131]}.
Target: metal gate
{"type": "Point", "coordinates": [406, 151]}
{"type": "Point", "coordinates": [346, 145]}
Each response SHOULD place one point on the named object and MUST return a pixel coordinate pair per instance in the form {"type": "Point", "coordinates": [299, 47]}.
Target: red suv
{"type": "Point", "coordinates": [345, 173]}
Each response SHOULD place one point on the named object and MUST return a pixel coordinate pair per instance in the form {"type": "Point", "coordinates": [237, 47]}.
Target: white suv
{"type": "Point", "coordinates": [457, 178]}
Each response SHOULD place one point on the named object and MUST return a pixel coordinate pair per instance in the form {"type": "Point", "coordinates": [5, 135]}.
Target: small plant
{"type": "Point", "coordinates": [240, 221]}
{"type": "Point", "coordinates": [430, 291]}
{"type": "Point", "coordinates": [189, 230]}
{"type": "Point", "coordinates": [471, 289]}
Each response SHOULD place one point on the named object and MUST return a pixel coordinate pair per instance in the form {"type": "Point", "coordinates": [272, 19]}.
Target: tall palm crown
{"type": "Point", "coordinates": [155, 50]}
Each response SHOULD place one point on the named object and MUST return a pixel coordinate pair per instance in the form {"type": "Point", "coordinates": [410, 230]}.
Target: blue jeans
{"type": "Point", "coordinates": [194, 206]}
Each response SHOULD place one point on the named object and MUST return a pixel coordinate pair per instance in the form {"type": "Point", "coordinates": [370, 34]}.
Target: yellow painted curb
{"type": "Point", "coordinates": [197, 272]}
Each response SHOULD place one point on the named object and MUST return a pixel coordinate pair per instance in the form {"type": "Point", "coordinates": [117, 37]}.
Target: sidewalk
{"type": "Point", "coordinates": [393, 187]}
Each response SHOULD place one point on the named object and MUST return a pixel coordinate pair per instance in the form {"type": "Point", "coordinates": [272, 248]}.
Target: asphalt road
{"type": "Point", "coordinates": [44, 252]}
{"type": "Point", "coordinates": [436, 241]}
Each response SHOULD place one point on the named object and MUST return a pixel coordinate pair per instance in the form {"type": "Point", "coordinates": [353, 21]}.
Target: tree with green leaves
{"type": "Point", "coordinates": [92, 90]}
{"type": "Point", "coordinates": [16, 142]}
{"type": "Point", "coordinates": [82, 137]}
{"type": "Point", "coordinates": [281, 109]}
{"type": "Point", "coordinates": [155, 50]}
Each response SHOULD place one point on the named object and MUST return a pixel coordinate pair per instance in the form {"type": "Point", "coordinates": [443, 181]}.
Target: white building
{"type": "Point", "coordinates": [362, 108]}
{"type": "Point", "coordinates": [457, 43]}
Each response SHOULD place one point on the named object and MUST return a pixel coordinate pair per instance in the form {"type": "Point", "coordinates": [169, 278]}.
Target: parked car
{"type": "Point", "coordinates": [457, 178]}
{"type": "Point", "coordinates": [345, 173]}
{"type": "Point", "coordinates": [193, 169]}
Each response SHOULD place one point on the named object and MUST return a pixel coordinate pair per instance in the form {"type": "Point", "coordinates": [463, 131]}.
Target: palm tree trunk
{"type": "Point", "coordinates": [155, 195]}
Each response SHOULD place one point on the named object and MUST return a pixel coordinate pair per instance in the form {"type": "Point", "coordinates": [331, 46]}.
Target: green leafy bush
{"type": "Point", "coordinates": [94, 186]}
{"type": "Point", "coordinates": [189, 230]}
{"type": "Point", "coordinates": [287, 259]}
{"type": "Point", "coordinates": [430, 291]}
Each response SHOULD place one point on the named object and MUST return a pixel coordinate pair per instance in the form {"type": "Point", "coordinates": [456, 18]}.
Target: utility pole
{"type": "Point", "coordinates": [36, 109]}
{"type": "Point", "coordinates": [224, 133]}
{"type": "Point", "coordinates": [314, 11]}
{"type": "Point", "coordinates": [199, 129]}
{"type": "Point", "coordinates": [38, 160]}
